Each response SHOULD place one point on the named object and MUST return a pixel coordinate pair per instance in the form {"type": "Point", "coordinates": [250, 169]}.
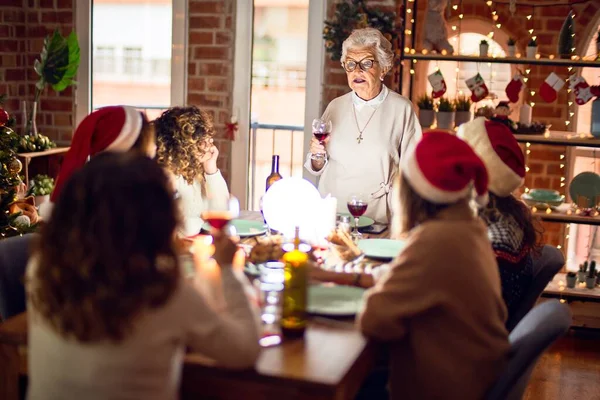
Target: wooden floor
{"type": "Point", "coordinates": [569, 370]}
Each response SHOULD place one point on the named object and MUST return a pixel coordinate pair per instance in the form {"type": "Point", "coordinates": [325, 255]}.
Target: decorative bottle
{"type": "Point", "coordinates": [295, 293]}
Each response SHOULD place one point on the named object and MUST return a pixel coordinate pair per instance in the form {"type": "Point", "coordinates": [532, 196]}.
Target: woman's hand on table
{"type": "Point", "coordinates": [225, 249]}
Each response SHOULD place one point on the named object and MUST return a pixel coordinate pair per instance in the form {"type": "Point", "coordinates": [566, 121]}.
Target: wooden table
{"type": "Point", "coordinates": [331, 362]}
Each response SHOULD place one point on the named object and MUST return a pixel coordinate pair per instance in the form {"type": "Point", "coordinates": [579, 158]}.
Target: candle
{"type": "Point", "coordinates": [525, 115]}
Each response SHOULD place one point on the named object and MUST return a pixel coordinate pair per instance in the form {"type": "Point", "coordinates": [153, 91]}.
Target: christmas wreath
{"type": "Point", "coordinates": [354, 14]}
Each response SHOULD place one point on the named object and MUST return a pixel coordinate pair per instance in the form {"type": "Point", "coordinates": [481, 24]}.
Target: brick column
{"type": "Point", "coordinates": [210, 66]}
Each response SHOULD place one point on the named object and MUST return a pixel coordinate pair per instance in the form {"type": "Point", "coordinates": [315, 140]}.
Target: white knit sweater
{"type": "Point", "coordinates": [191, 198]}
{"type": "Point", "coordinates": [147, 364]}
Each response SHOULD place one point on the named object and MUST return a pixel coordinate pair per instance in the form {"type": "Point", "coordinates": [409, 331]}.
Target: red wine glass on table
{"type": "Point", "coordinates": [219, 212]}
{"type": "Point", "coordinates": [321, 129]}
{"type": "Point", "coordinates": [357, 205]}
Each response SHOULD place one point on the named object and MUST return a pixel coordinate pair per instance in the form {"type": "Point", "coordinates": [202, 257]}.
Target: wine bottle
{"type": "Point", "coordinates": [274, 176]}
{"type": "Point", "coordinates": [294, 310]}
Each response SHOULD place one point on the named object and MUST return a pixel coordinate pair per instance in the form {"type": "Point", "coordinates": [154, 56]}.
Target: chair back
{"type": "Point", "coordinates": [548, 264]}
{"type": "Point", "coordinates": [541, 327]}
{"type": "Point", "coordinates": [14, 255]}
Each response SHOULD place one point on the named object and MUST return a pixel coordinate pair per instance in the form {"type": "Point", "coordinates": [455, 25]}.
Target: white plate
{"type": "Point", "coordinates": [334, 300]}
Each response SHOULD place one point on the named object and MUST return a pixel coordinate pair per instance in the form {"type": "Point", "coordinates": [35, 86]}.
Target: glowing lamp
{"type": "Point", "coordinates": [295, 202]}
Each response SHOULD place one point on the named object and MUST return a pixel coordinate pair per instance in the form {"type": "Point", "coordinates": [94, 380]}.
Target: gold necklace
{"type": "Point", "coordinates": [360, 132]}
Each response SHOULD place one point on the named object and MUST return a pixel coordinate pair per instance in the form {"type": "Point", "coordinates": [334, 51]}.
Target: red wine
{"type": "Point", "coordinates": [357, 209]}
{"type": "Point", "coordinates": [217, 219]}
{"type": "Point", "coordinates": [321, 136]}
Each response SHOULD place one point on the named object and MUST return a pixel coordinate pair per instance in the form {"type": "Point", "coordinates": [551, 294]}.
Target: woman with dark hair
{"type": "Point", "coordinates": [439, 306]}
{"type": "Point", "coordinates": [110, 314]}
{"type": "Point", "coordinates": [186, 149]}
{"type": "Point", "coordinates": [114, 128]}
{"type": "Point", "coordinates": [511, 229]}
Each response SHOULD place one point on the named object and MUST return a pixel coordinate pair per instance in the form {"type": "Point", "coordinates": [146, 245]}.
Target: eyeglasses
{"type": "Point", "coordinates": [365, 64]}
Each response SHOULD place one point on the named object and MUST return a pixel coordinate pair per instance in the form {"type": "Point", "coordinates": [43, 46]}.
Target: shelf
{"type": "Point", "coordinates": [559, 138]}
{"type": "Point", "coordinates": [34, 154]}
{"type": "Point", "coordinates": [503, 60]}
{"type": "Point", "coordinates": [558, 288]}
{"type": "Point", "coordinates": [567, 218]}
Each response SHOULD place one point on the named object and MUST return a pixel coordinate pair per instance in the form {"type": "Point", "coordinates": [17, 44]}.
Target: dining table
{"type": "Point", "coordinates": [331, 361]}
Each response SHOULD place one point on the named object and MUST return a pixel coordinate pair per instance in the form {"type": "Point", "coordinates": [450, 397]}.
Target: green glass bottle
{"type": "Point", "coordinates": [295, 293]}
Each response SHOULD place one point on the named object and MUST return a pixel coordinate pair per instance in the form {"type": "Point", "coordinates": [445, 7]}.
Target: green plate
{"type": "Point", "coordinates": [363, 221]}
{"type": "Point", "coordinates": [544, 195]}
{"type": "Point", "coordinates": [334, 300]}
{"type": "Point", "coordinates": [531, 201]}
{"type": "Point", "coordinates": [384, 249]}
{"type": "Point", "coordinates": [587, 185]}
{"type": "Point", "coordinates": [244, 228]}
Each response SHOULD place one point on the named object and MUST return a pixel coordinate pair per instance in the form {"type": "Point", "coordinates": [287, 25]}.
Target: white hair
{"type": "Point", "coordinates": [370, 38]}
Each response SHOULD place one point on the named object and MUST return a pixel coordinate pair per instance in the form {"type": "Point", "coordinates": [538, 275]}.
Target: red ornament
{"type": "Point", "coordinates": [230, 130]}
{"type": "Point", "coordinates": [3, 117]}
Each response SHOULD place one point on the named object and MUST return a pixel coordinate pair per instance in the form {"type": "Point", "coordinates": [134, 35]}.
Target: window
{"type": "Point", "coordinates": [132, 61]}
{"type": "Point", "coordinates": [496, 76]}
{"type": "Point", "coordinates": [104, 60]}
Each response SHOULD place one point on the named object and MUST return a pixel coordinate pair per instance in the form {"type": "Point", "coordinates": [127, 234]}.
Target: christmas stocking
{"type": "Point", "coordinates": [514, 88]}
{"type": "Point", "coordinates": [437, 83]}
{"type": "Point", "coordinates": [550, 87]}
{"type": "Point", "coordinates": [478, 88]}
{"type": "Point", "coordinates": [583, 91]}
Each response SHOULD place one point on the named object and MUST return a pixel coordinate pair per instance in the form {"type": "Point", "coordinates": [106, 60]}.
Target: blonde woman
{"type": "Point", "coordinates": [186, 149]}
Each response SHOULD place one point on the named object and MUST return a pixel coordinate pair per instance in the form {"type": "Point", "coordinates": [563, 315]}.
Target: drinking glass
{"type": "Point", "coordinates": [321, 129]}
{"type": "Point", "coordinates": [271, 287]}
{"type": "Point", "coordinates": [357, 205]}
{"type": "Point", "coordinates": [220, 210]}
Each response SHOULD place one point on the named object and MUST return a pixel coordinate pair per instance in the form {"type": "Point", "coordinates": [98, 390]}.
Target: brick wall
{"type": "Point", "coordinates": [23, 26]}
{"type": "Point", "coordinates": [544, 161]}
{"type": "Point", "coordinates": [210, 66]}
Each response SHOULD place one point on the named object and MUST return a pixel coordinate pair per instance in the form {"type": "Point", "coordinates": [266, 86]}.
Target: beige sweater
{"type": "Point", "coordinates": [440, 308]}
{"type": "Point", "coordinates": [147, 364]}
{"type": "Point", "coordinates": [369, 166]}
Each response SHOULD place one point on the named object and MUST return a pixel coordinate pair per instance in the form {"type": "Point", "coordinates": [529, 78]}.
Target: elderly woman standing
{"type": "Point", "coordinates": [372, 127]}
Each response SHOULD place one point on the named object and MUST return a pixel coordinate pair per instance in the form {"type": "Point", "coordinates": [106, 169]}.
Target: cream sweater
{"type": "Point", "coordinates": [191, 198]}
{"type": "Point", "coordinates": [440, 308]}
{"type": "Point", "coordinates": [147, 364]}
{"type": "Point", "coordinates": [367, 167]}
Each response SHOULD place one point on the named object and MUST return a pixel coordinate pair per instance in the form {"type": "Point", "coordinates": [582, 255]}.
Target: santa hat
{"type": "Point", "coordinates": [442, 169]}
{"type": "Point", "coordinates": [114, 128]}
{"type": "Point", "coordinates": [500, 152]}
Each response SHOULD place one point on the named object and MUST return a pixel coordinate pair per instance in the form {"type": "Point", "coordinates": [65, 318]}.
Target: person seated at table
{"type": "Point", "coordinates": [440, 306]}
{"type": "Point", "coordinates": [514, 236]}
{"type": "Point", "coordinates": [187, 151]}
{"type": "Point", "coordinates": [113, 128]}
{"type": "Point", "coordinates": [110, 313]}
{"type": "Point", "coordinates": [372, 128]}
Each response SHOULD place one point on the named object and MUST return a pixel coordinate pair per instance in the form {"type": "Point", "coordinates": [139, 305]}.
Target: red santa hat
{"type": "Point", "coordinates": [500, 152]}
{"type": "Point", "coordinates": [114, 128]}
{"type": "Point", "coordinates": [443, 169]}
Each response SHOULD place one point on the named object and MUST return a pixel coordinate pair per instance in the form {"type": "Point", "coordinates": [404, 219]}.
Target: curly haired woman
{"type": "Point", "coordinates": [186, 150]}
{"type": "Point", "coordinates": [110, 312]}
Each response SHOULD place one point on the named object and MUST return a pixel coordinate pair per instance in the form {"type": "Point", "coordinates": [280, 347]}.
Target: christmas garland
{"type": "Point", "coordinates": [354, 14]}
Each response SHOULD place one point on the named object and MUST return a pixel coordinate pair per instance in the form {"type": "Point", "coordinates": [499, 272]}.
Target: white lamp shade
{"type": "Point", "coordinates": [291, 203]}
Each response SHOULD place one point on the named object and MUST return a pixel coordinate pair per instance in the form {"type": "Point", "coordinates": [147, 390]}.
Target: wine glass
{"type": "Point", "coordinates": [321, 129]}
{"type": "Point", "coordinates": [220, 210]}
{"type": "Point", "coordinates": [357, 205]}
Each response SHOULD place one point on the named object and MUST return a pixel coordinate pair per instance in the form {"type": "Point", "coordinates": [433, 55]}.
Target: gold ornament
{"type": "Point", "coordinates": [15, 166]}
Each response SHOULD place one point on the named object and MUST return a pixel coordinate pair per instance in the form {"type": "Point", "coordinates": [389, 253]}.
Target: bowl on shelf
{"type": "Point", "coordinates": [543, 196]}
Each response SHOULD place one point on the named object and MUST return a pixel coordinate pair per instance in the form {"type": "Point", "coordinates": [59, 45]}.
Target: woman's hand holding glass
{"type": "Point", "coordinates": [321, 129]}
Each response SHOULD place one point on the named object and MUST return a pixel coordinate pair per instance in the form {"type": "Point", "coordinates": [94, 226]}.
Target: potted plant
{"type": "Point", "coordinates": [512, 49]}
{"type": "Point", "coordinates": [445, 114]}
{"type": "Point", "coordinates": [57, 67]}
{"type": "Point", "coordinates": [40, 187]}
{"type": "Point", "coordinates": [582, 272]}
{"type": "Point", "coordinates": [426, 114]}
{"type": "Point", "coordinates": [571, 279]}
{"type": "Point", "coordinates": [462, 105]}
{"type": "Point", "coordinates": [483, 48]}
{"type": "Point", "coordinates": [532, 48]}
{"type": "Point", "coordinates": [590, 281]}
